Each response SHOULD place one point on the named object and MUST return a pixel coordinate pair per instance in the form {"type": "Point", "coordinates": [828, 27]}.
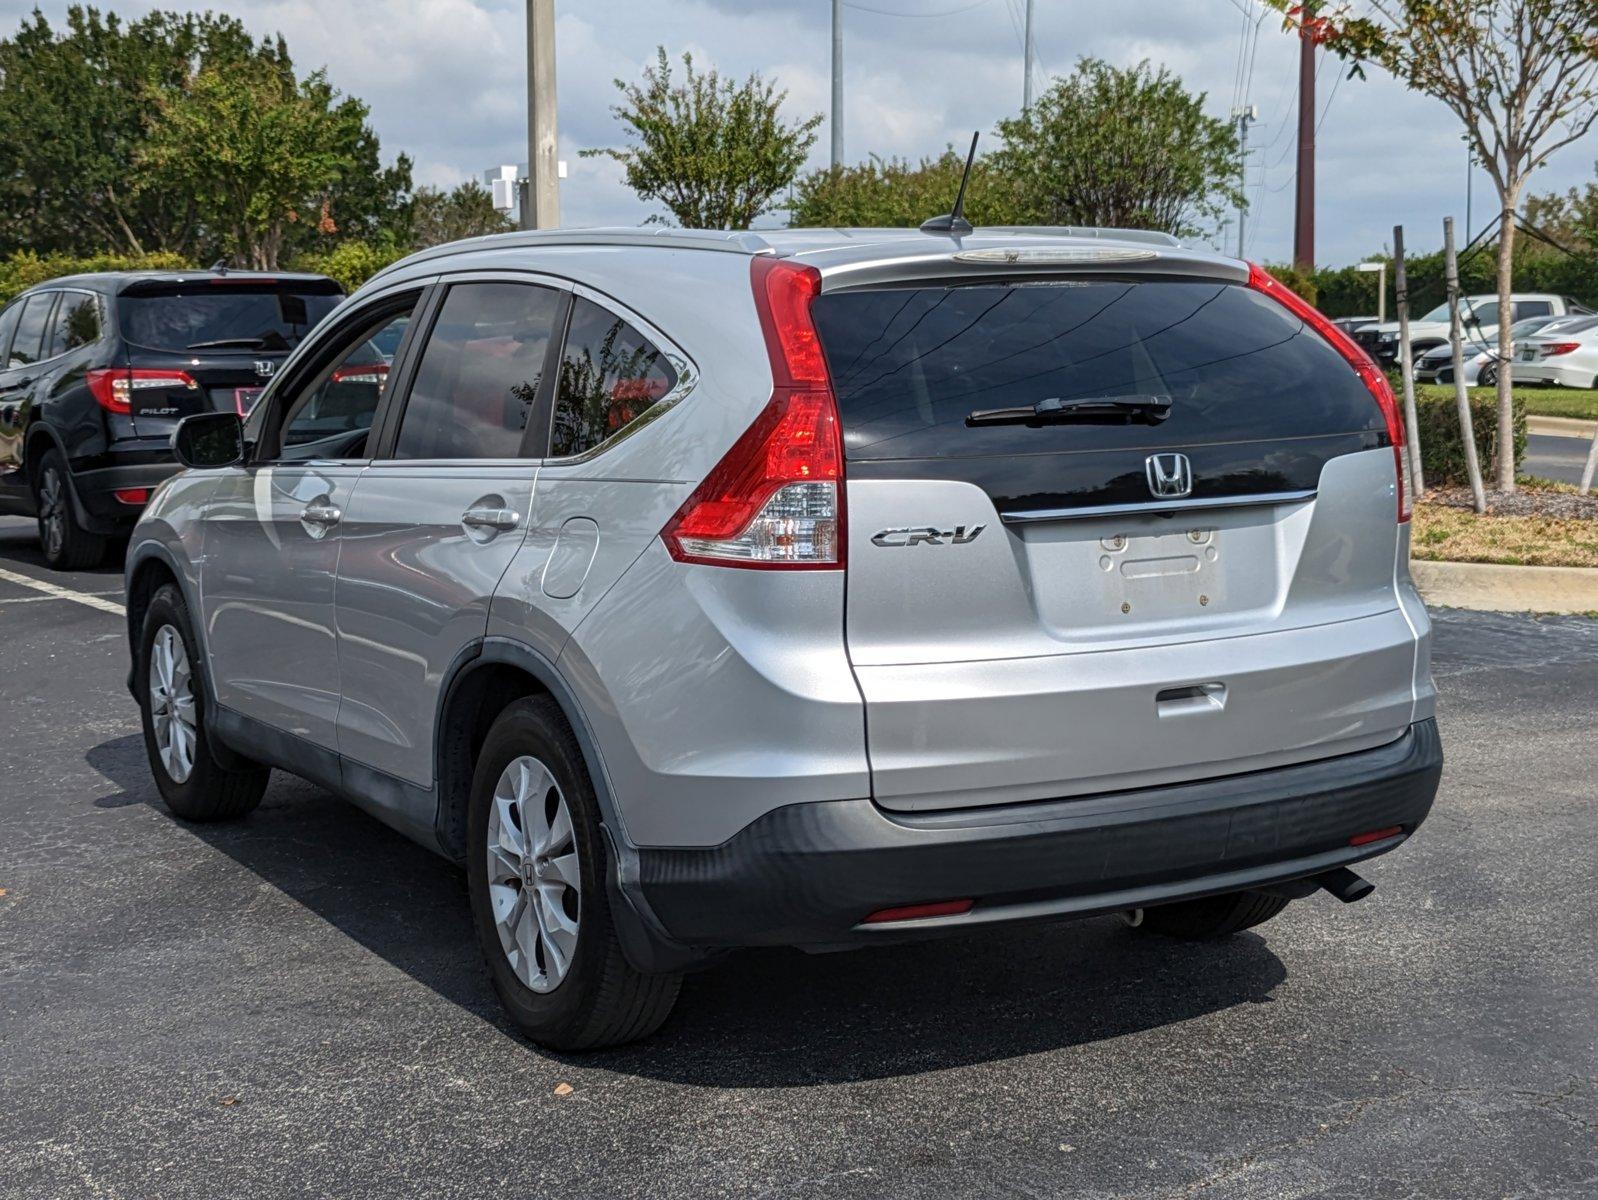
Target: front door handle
{"type": "Point", "coordinates": [321, 514]}
{"type": "Point", "coordinates": [497, 519]}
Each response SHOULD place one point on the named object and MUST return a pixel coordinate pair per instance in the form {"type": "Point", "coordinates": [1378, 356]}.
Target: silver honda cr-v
{"type": "Point", "coordinates": [812, 588]}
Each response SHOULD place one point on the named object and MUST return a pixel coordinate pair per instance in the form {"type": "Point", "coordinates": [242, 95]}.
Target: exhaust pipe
{"type": "Point", "coordinates": [1345, 885]}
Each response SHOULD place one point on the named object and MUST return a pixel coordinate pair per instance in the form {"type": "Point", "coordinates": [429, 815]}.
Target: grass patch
{"type": "Point", "coordinates": [1441, 533]}
{"type": "Point", "coordinates": [1581, 403]}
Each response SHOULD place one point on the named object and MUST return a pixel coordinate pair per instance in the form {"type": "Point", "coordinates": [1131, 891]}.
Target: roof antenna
{"type": "Point", "coordinates": [954, 223]}
{"type": "Point", "coordinates": [220, 266]}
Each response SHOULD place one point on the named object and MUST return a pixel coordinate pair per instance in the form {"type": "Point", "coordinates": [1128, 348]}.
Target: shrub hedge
{"type": "Point", "coordinates": [1442, 452]}
{"type": "Point", "coordinates": [23, 268]}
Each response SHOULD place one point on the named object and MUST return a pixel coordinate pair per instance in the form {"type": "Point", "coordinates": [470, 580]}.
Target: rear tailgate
{"type": "Point", "coordinates": [1028, 619]}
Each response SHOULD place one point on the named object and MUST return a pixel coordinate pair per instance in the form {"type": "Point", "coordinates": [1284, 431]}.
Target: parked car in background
{"type": "Point", "coordinates": [1352, 325]}
{"type": "Point", "coordinates": [96, 371]}
{"type": "Point", "coordinates": [822, 588]}
{"type": "Point", "coordinates": [1479, 317]}
{"type": "Point", "coordinates": [1567, 356]}
{"type": "Point", "coordinates": [1480, 359]}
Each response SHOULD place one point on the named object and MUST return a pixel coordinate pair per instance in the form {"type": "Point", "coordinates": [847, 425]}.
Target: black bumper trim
{"type": "Point", "coordinates": [808, 874]}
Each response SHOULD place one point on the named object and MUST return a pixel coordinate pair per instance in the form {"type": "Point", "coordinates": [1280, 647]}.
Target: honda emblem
{"type": "Point", "coordinates": [1170, 475]}
{"type": "Point", "coordinates": [265, 367]}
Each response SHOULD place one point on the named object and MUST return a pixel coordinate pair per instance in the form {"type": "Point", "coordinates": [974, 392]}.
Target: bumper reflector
{"type": "Point", "coordinates": [911, 912]}
{"type": "Point", "coordinates": [1375, 835]}
{"type": "Point", "coordinates": [132, 495]}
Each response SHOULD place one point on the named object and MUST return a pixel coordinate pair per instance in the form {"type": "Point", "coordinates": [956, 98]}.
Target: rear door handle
{"type": "Point", "coordinates": [321, 514]}
{"type": "Point", "coordinates": [498, 519]}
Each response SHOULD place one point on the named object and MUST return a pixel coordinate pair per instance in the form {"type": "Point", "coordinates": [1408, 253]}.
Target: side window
{"type": "Point", "coordinates": [1533, 308]}
{"type": "Point", "coordinates": [332, 417]}
{"type": "Point", "coordinates": [28, 345]}
{"type": "Point", "coordinates": [610, 374]}
{"type": "Point", "coordinates": [478, 378]}
{"type": "Point", "coordinates": [8, 325]}
{"type": "Point", "coordinates": [76, 322]}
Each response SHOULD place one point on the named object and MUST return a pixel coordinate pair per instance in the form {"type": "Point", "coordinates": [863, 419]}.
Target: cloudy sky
{"type": "Point", "coordinates": [445, 82]}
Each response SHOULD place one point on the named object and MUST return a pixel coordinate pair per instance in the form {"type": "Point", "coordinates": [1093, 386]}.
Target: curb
{"type": "Point", "coordinates": [1490, 587]}
{"type": "Point", "coordinates": [1561, 427]}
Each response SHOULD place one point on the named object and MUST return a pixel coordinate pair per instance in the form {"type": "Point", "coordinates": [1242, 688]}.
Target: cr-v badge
{"type": "Point", "coordinates": [1170, 475]}
{"type": "Point", "coordinates": [927, 535]}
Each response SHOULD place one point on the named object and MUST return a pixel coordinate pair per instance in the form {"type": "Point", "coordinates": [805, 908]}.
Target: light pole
{"type": "Point", "coordinates": [1026, 60]}
{"type": "Point", "coordinates": [1244, 117]}
{"type": "Point", "coordinates": [837, 84]}
{"type": "Point", "coordinates": [541, 209]}
{"type": "Point", "coordinates": [1381, 287]}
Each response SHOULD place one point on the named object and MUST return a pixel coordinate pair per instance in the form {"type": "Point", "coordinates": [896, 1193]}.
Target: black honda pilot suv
{"type": "Point", "coordinates": [97, 370]}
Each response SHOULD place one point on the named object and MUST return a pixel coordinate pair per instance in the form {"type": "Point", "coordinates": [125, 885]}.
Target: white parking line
{"type": "Point", "coordinates": [62, 593]}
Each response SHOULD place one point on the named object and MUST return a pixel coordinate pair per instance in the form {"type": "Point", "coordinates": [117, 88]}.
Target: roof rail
{"type": "Point", "coordinates": [1150, 236]}
{"type": "Point", "coordinates": [737, 241]}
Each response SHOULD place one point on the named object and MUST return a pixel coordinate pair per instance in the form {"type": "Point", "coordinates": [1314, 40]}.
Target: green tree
{"type": "Point", "coordinates": [1127, 147]}
{"type": "Point", "coordinates": [259, 154]}
{"type": "Point", "coordinates": [436, 216]}
{"type": "Point", "coordinates": [715, 153]}
{"type": "Point", "coordinates": [1521, 76]}
{"type": "Point", "coordinates": [75, 108]}
{"type": "Point", "coordinates": [894, 194]}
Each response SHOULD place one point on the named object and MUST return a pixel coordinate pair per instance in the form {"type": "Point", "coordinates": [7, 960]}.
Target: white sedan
{"type": "Point", "coordinates": [1437, 364]}
{"type": "Point", "coordinates": [1567, 355]}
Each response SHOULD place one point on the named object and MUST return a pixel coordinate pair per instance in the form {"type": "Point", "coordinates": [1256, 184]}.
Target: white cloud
{"type": "Point", "coordinates": [445, 81]}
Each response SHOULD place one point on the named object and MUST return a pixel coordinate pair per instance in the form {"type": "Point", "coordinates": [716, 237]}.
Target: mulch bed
{"type": "Point", "coordinates": [1563, 506]}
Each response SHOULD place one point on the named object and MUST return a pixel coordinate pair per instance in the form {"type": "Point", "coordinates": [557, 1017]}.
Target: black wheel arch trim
{"type": "Point", "coordinates": [644, 939]}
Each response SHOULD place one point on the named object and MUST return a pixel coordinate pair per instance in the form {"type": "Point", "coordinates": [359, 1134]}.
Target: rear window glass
{"type": "Point", "coordinates": [222, 317]}
{"type": "Point", "coordinates": [910, 364]}
{"type": "Point", "coordinates": [77, 322]}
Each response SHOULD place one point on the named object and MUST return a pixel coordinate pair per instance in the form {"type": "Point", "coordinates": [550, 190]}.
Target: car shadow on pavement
{"type": "Point", "coordinates": [763, 1018]}
{"type": "Point", "coordinates": [19, 546]}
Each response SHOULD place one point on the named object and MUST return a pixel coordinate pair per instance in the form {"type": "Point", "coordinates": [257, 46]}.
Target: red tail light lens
{"type": "Point", "coordinates": [1553, 349]}
{"type": "Point", "coordinates": [911, 912]}
{"type": "Point", "coordinates": [113, 387]}
{"type": "Point", "coordinates": [1375, 835]}
{"type": "Point", "coordinates": [131, 495]}
{"type": "Point", "coordinates": [1370, 374]}
{"type": "Point", "coordinates": [376, 373]}
{"type": "Point", "coordinates": [775, 500]}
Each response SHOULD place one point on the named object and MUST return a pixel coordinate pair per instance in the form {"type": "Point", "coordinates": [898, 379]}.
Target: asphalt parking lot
{"type": "Point", "coordinates": [293, 1005]}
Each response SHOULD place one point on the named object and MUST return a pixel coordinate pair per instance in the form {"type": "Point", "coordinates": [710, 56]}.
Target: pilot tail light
{"type": "Point", "coordinates": [113, 387]}
{"type": "Point", "coordinates": [775, 500]}
{"type": "Point", "coordinates": [1369, 373]}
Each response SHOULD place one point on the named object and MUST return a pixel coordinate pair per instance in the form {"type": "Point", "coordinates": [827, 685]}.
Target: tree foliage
{"type": "Point", "coordinates": [434, 216]}
{"type": "Point", "coordinates": [714, 152]}
{"type": "Point", "coordinates": [1521, 76]}
{"type": "Point", "coordinates": [894, 194]}
{"type": "Point", "coordinates": [107, 128]}
{"type": "Point", "coordinates": [1127, 147]}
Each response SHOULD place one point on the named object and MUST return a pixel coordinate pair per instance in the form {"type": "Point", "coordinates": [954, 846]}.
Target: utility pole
{"type": "Point", "coordinates": [1406, 360]}
{"type": "Point", "coordinates": [541, 199]}
{"type": "Point", "coordinates": [1026, 60]}
{"type": "Point", "coordinates": [1304, 219]}
{"type": "Point", "coordinates": [837, 84]}
{"type": "Point", "coordinates": [1470, 164]}
{"type": "Point", "coordinates": [1244, 117]}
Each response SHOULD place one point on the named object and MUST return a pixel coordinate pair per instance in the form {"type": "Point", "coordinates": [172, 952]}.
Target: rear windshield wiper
{"type": "Point", "coordinates": [233, 343]}
{"type": "Point", "coordinates": [1114, 410]}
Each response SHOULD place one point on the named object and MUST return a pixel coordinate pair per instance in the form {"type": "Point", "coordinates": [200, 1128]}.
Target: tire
{"type": "Point", "coordinates": [1213, 916]}
{"type": "Point", "coordinates": [555, 960]}
{"type": "Point", "coordinates": [1487, 376]}
{"type": "Point", "coordinates": [194, 785]}
{"type": "Point", "coordinates": [67, 545]}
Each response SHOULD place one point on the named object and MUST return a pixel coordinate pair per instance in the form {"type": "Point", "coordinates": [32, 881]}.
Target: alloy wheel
{"type": "Point", "coordinates": [52, 512]}
{"type": "Point", "coordinates": [534, 881]}
{"type": "Point", "coordinates": [172, 708]}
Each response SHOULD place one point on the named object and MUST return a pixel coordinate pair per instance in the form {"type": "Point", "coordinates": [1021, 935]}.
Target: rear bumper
{"type": "Point", "coordinates": [808, 874]}
{"type": "Point", "coordinates": [1552, 372]}
{"type": "Point", "coordinates": [96, 490]}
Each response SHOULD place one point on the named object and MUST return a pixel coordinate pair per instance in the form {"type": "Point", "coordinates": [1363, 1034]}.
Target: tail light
{"type": "Point", "coordinates": [1553, 349]}
{"type": "Point", "coordinates": [375, 373]}
{"type": "Point", "coordinates": [131, 495]}
{"type": "Point", "coordinates": [1370, 374]}
{"type": "Point", "coordinates": [775, 500]}
{"type": "Point", "coordinates": [113, 387]}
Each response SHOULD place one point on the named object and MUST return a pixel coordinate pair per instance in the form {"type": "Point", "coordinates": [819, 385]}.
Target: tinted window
{"type": "Point", "coordinates": [479, 376]}
{"type": "Point", "coordinates": [28, 345]}
{"type": "Point", "coordinates": [222, 316]}
{"type": "Point", "coordinates": [908, 365]}
{"type": "Point", "coordinates": [76, 322]}
{"type": "Point", "coordinates": [8, 324]}
{"type": "Point", "coordinates": [610, 374]}
{"type": "Point", "coordinates": [331, 419]}
{"type": "Point", "coordinates": [1533, 308]}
